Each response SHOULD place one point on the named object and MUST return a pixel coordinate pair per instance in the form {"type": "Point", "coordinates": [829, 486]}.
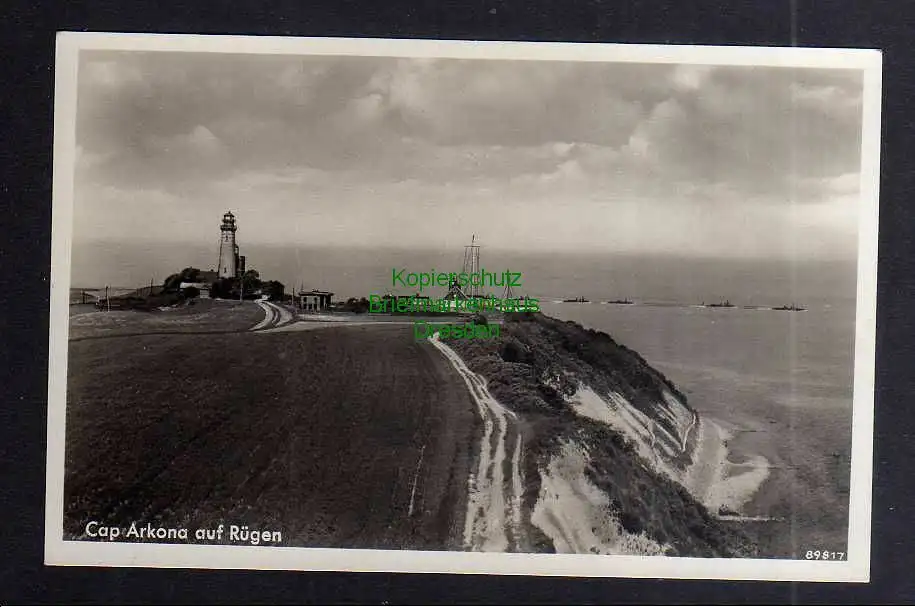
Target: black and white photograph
{"type": "Point", "coordinates": [480, 307]}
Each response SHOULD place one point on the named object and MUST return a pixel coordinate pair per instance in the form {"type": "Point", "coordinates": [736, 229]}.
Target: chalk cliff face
{"type": "Point", "coordinates": [610, 445]}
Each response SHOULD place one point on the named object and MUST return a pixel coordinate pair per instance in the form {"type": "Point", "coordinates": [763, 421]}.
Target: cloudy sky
{"type": "Point", "coordinates": [355, 151]}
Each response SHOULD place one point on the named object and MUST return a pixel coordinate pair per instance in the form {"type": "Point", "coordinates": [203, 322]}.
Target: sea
{"type": "Point", "coordinates": [781, 381]}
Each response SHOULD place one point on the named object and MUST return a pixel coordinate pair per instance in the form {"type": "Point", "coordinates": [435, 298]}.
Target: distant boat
{"type": "Point", "coordinates": [621, 302]}
{"type": "Point", "coordinates": [576, 300]}
{"type": "Point", "coordinates": [791, 308]}
{"type": "Point", "coordinates": [722, 304]}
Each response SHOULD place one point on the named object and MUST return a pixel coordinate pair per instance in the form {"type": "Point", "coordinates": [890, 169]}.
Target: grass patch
{"type": "Point", "coordinates": [315, 434]}
{"type": "Point", "coordinates": [191, 316]}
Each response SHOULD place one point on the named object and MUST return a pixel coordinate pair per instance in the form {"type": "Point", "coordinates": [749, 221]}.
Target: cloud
{"type": "Point", "coordinates": [198, 141]}
{"type": "Point", "coordinates": [356, 146]}
{"type": "Point", "coordinates": [497, 102]}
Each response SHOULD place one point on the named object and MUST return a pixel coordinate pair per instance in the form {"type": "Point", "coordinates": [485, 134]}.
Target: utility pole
{"type": "Point", "coordinates": [107, 299]}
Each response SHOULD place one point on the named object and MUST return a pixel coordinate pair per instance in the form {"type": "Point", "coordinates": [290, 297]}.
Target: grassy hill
{"type": "Point", "coordinates": [314, 434]}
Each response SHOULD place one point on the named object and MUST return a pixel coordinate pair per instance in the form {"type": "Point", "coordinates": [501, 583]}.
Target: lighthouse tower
{"type": "Point", "coordinates": [228, 250]}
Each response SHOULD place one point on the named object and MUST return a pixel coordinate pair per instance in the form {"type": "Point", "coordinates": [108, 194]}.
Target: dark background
{"type": "Point", "coordinates": [26, 65]}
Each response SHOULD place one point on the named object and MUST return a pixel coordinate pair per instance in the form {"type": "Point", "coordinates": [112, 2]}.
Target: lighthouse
{"type": "Point", "coordinates": [228, 250]}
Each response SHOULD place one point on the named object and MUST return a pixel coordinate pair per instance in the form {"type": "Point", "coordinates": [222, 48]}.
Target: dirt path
{"type": "Point", "coordinates": [493, 519]}
{"type": "Point", "coordinates": [312, 325]}
{"type": "Point", "coordinates": [274, 316]}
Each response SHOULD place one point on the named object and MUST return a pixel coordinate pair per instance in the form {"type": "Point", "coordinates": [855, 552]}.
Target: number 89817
{"type": "Point", "coordinates": [824, 555]}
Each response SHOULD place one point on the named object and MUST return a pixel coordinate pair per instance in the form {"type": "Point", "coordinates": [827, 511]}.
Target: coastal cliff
{"type": "Point", "coordinates": [613, 457]}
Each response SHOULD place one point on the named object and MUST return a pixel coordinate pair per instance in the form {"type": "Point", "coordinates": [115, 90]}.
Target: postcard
{"type": "Point", "coordinates": [465, 307]}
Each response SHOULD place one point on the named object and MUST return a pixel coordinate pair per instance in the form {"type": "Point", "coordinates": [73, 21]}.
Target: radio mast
{"type": "Point", "coordinates": [472, 266]}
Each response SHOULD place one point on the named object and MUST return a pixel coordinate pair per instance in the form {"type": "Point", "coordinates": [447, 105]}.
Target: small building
{"type": "Point", "coordinates": [203, 287]}
{"type": "Point", "coordinates": [314, 301]}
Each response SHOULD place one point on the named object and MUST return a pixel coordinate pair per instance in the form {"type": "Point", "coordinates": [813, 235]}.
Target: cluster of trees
{"type": "Point", "coordinates": [226, 288]}
{"type": "Point", "coordinates": [173, 282]}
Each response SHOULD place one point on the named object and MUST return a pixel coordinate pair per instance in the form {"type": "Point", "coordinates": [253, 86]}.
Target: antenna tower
{"type": "Point", "coordinates": [472, 265]}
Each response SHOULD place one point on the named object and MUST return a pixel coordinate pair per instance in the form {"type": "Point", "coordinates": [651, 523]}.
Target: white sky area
{"type": "Point", "coordinates": [356, 151]}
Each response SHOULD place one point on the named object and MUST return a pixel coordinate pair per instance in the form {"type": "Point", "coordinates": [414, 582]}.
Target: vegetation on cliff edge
{"type": "Point", "coordinates": [533, 365]}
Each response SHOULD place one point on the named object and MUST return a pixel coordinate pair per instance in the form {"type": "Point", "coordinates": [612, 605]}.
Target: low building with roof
{"type": "Point", "coordinates": [314, 300]}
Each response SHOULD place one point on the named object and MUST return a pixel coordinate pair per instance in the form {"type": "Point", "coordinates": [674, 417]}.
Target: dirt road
{"type": "Point", "coordinates": [275, 316]}
{"type": "Point", "coordinates": [493, 518]}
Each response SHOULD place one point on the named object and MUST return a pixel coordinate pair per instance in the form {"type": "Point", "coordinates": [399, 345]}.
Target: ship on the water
{"type": "Point", "coordinates": [721, 304]}
{"type": "Point", "coordinates": [621, 302]}
{"type": "Point", "coordinates": [578, 299]}
{"type": "Point", "coordinates": [791, 308]}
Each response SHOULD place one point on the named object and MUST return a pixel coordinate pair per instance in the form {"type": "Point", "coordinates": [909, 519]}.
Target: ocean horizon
{"type": "Point", "coordinates": [357, 272]}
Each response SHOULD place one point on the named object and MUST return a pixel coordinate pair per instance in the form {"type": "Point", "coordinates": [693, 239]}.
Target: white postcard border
{"type": "Point", "coordinates": [855, 569]}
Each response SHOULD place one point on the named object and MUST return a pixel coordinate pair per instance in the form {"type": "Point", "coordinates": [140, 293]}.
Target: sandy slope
{"type": "Point", "coordinates": [712, 478]}
{"type": "Point", "coordinates": [572, 512]}
{"type": "Point", "coordinates": [575, 514]}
